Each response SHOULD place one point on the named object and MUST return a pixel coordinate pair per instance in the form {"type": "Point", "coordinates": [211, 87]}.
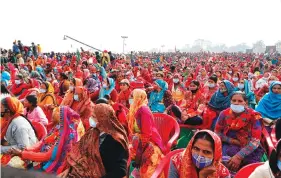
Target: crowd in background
{"type": "Point", "coordinates": [97, 112]}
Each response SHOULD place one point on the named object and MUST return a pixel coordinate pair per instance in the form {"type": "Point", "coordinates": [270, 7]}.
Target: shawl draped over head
{"type": "Point", "coordinates": [249, 94]}
{"type": "Point", "coordinates": [104, 91]}
{"type": "Point", "coordinates": [270, 105]}
{"type": "Point", "coordinates": [139, 100]}
{"type": "Point", "coordinates": [183, 161]}
{"type": "Point", "coordinates": [16, 107]}
{"type": "Point", "coordinates": [157, 97]}
{"type": "Point", "coordinates": [92, 85]}
{"type": "Point", "coordinates": [68, 98]}
{"type": "Point", "coordinates": [68, 135]}
{"type": "Point", "coordinates": [84, 157]}
{"type": "Point", "coordinates": [5, 77]}
{"type": "Point", "coordinates": [219, 101]}
{"type": "Point", "coordinates": [40, 70]}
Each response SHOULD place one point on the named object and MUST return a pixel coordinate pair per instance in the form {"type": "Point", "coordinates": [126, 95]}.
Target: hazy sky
{"type": "Point", "coordinates": [147, 23]}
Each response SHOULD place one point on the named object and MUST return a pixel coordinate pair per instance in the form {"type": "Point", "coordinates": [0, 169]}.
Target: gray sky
{"type": "Point", "coordinates": [147, 23]}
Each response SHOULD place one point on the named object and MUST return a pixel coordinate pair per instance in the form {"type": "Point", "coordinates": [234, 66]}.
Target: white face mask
{"type": "Point", "coordinates": [240, 86]}
{"type": "Point", "coordinates": [211, 85]}
{"type": "Point", "coordinates": [230, 72]}
{"type": "Point", "coordinates": [42, 90]}
{"type": "Point", "coordinates": [235, 79]}
{"type": "Point", "coordinates": [176, 80]}
{"type": "Point", "coordinates": [104, 85]}
{"type": "Point", "coordinates": [131, 101]}
{"type": "Point", "coordinates": [49, 79]}
{"type": "Point", "coordinates": [237, 108]}
{"type": "Point", "coordinates": [76, 97]}
{"type": "Point", "coordinates": [17, 82]}
{"type": "Point", "coordinates": [92, 122]}
{"type": "Point", "coordinates": [71, 87]}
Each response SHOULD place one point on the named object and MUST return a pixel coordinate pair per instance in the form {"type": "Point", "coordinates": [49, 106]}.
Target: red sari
{"type": "Point", "coordinates": [183, 161]}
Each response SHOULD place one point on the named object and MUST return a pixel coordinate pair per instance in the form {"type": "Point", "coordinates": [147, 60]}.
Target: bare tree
{"type": "Point", "coordinates": [259, 46]}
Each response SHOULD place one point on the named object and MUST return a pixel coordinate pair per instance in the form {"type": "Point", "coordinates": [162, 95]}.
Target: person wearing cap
{"type": "Point", "coordinates": [124, 95]}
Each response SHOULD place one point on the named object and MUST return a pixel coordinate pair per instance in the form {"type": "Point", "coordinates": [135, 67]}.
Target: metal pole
{"type": "Point", "coordinates": [65, 36]}
{"type": "Point", "coordinates": [124, 38]}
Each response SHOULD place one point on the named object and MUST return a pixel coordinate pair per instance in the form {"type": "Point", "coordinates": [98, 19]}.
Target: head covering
{"type": "Point", "coordinates": [50, 88]}
{"type": "Point", "coordinates": [78, 82]}
{"type": "Point", "coordinates": [104, 91]}
{"type": "Point", "coordinates": [5, 77]}
{"type": "Point", "coordinates": [156, 97]}
{"type": "Point", "coordinates": [219, 101]}
{"type": "Point", "coordinates": [270, 105]}
{"type": "Point", "coordinates": [186, 166]}
{"type": "Point", "coordinates": [68, 135]}
{"type": "Point", "coordinates": [35, 74]}
{"type": "Point", "coordinates": [84, 157]}
{"type": "Point", "coordinates": [16, 107]}
{"type": "Point", "coordinates": [125, 81]}
{"type": "Point", "coordinates": [92, 85]}
{"type": "Point", "coordinates": [140, 99]}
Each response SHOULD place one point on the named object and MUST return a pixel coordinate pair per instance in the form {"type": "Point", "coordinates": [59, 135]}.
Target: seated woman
{"type": "Point", "coordinates": [50, 77]}
{"type": "Point", "coordinates": [201, 158]}
{"type": "Point", "coordinates": [270, 105]}
{"type": "Point", "coordinates": [211, 87]}
{"type": "Point", "coordinates": [102, 151]}
{"type": "Point", "coordinates": [63, 85]}
{"type": "Point", "coordinates": [272, 167]}
{"type": "Point", "coordinates": [178, 90]}
{"type": "Point", "coordinates": [19, 86]}
{"type": "Point", "coordinates": [46, 95]}
{"type": "Point", "coordinates": [33, 112]}
{"type": "Point", "coordinates": [68, 98]}
{"type": "Point", "coordinates": [124, 95]}
{"type": "Point", "coordinates": [92, 86]}
{"type": "Point", "coordinates": [244, 86]}
{"type": "Point", "coordinates": [265, 88]}
{"type": "Point", "coordinates": [58, 142]}
{"type": "Point", "coordinates": [108, 88]}
{"type": "Point", "coordinates": [240, 130]}
{"type": "Point", "coordinates": [156, 98]}
{"type": "Point", "coordinates": [195, 105]}
{"type": "Point", "coordinates": [147, 144]}
{"type": "Point", "coordinates": [16, 131]}
{"type": "Point", "coordinates": [82, 104]}
{"type": "Point", "coordinates": [219, 101]}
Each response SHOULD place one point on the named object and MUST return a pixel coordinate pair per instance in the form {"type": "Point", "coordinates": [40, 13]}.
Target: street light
{"type": "Point", "coordinates": [124, 38]}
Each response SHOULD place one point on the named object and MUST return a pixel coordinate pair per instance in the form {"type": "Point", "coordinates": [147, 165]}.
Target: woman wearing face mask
{"type": "Point", "coordinates": [16, 131]}
{"type": "Point", "coordinates": [58, 142]}
{"type": "Point", "coordinates": [201, 158]}
{"type": "Point", "coordinates": [108, 88]}
{"type": "Point", "coordinates": [33, 112]}
{"type": "Point", "coordinates": [235, 79]}
{"type": "Point", "coordinates": [147, 145]}
{"type": "Point", "coordinates": [262, 81]}
{"type": "Point", "coordinates": [178, 91]}
{"type": "Point", "coordinates": [195, 104]}
{"type": "Point", "coordinates": [124, 95]}
{"type": "Point", "coordinates": [211, 87]}
{"type": "Point", "coordinates": [68, 98]}
{"type": "Point", "coordinates": [244, 86]}
{"type": "Point", "coordinates": [46, 95]}
{"type": "Point", "coordinates": [82, 104]}
{"type": "Point", "coordinates": [272, 167]}
{"type": "Point", "coordinates": [202, 77]}
{"type": "Point", "coordinates": [102, 151]}
{"type": "Point", "coordinates": [50, 77]}
{"type": "Point", "coordinates": [19, 86]}
{"type": "Point", "coordinates": [240, 130]}
{"type": "Point", "coordinates": [219, 101]}
{"type": "Point", "coordinates": [265, 89]}
{"type": "Point", "coordinates": [270, 105]}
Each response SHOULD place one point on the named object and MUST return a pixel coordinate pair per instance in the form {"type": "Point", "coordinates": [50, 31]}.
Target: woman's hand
{"type": "Point", "coordinates": [64, 173]}
{"type": "Point", "coordinates": [207, 171]}
{"type": "Point", "coordinates": [234, 163]}
{"type": "Point", "coordinates": [235, 142]}
{"type": "Point", "coordinates": [15, 152]}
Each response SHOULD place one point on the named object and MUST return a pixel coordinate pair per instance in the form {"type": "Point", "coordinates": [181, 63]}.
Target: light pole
{"type": "Point", "coordinates": [124, 38]}
{"type": "Point", "coordinates": [162, 48]}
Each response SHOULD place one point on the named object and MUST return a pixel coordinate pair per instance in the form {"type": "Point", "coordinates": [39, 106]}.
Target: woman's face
{"type": "Point", "coordinates": [192, 86]}
{"type": "Point", "coordinates": [124, 86]}
{"type": "Point", "coordinates": [203, 148]}
{"type": "Point", "coordinates": [276, 89]}
{"type": "Point", "coordinates": [211, 81]}
{"type": "Point", "coordinates": [222, 87]}
{"type": "Point", "coordinates": [42, 86]}
{"type": "Point", "coordinates": [26, 103]}
{"type": "Point", "coordinates": [238, 100]}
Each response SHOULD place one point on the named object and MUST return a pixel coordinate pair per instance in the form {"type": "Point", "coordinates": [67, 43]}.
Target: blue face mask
{"type": "Point", "coordinates": [237, 108]}
{"type": "Point", "coordinates": [92, 122]}
{"type": "Point", "coordinates": [200, 161]}
{"type": "Point", "coordinates": [279, 164]}
{"type": "Point", "coordinates": [240, 86]}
